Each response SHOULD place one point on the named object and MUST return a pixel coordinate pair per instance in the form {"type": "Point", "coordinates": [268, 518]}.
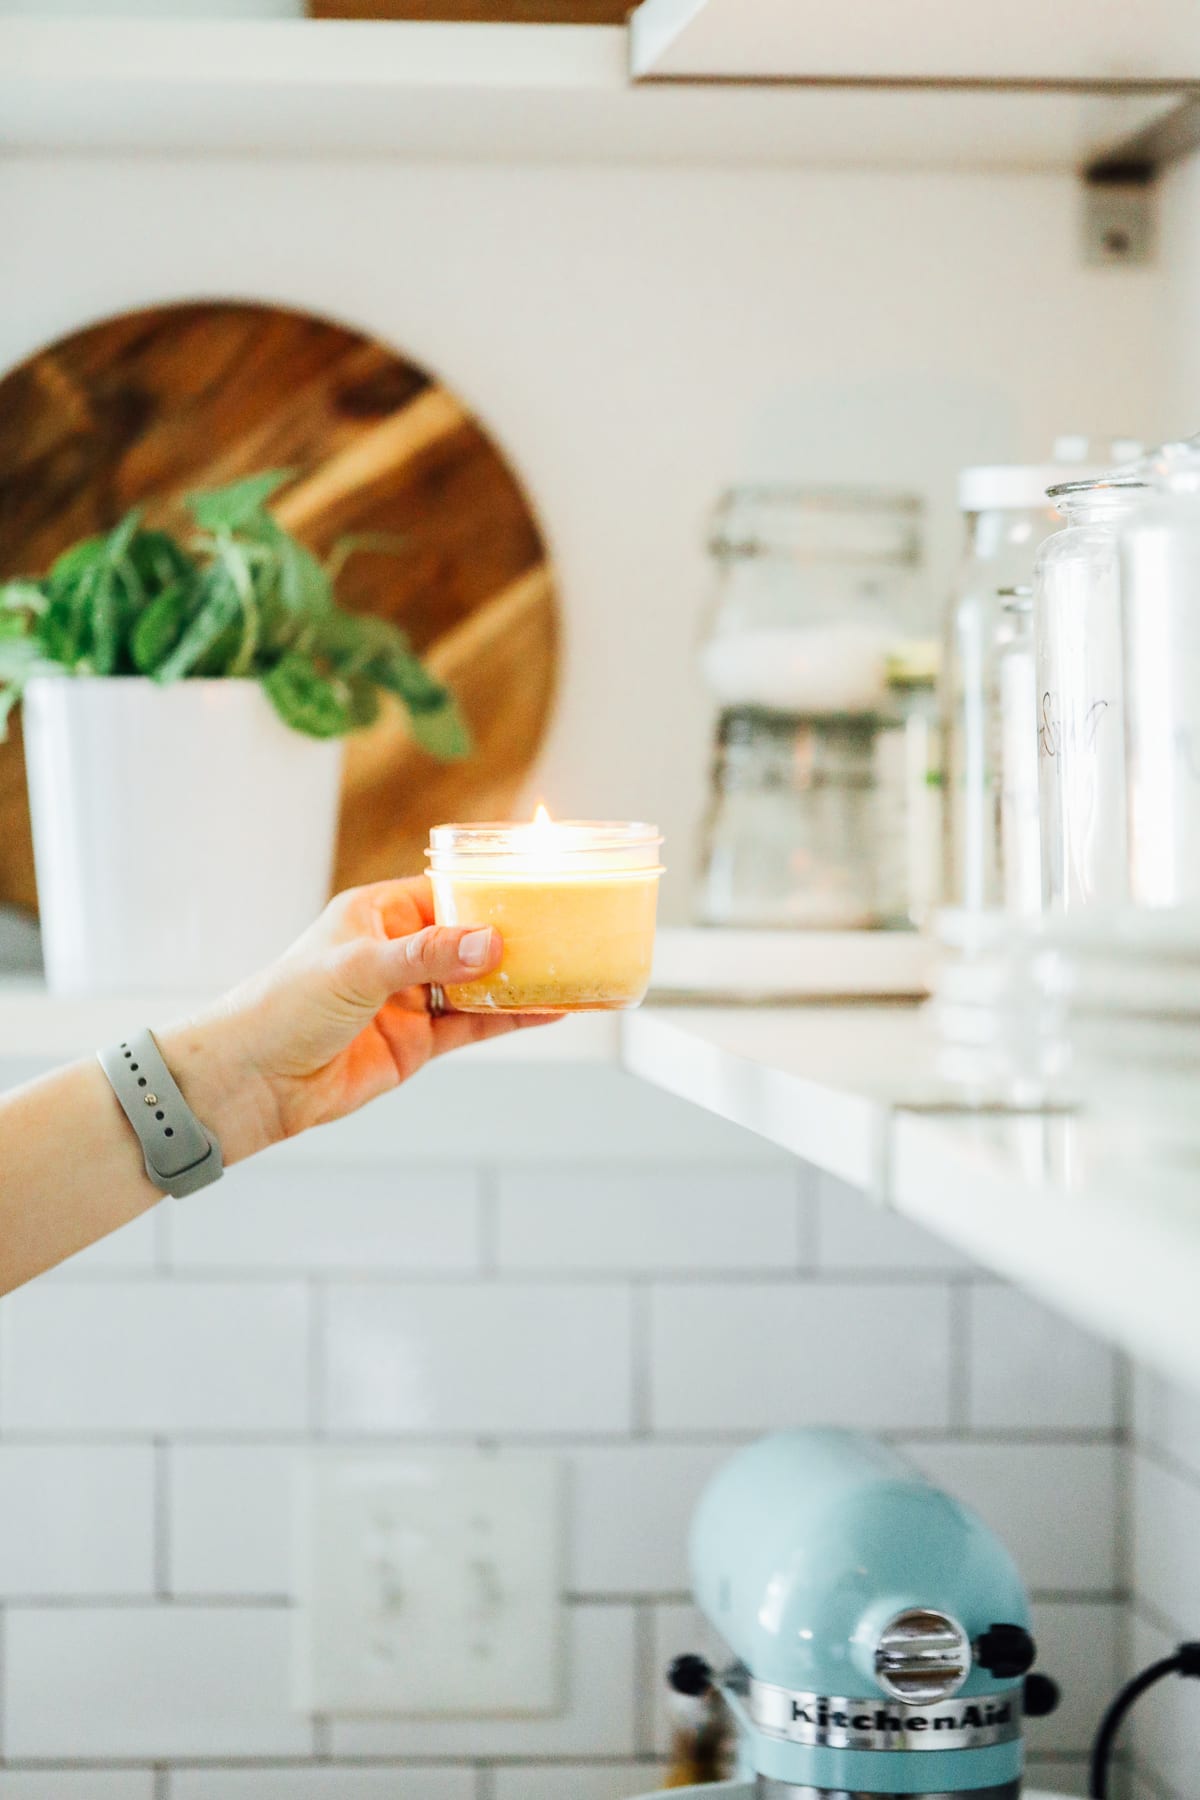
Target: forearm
{"type": "Point", "coordinates": [71, 1167]}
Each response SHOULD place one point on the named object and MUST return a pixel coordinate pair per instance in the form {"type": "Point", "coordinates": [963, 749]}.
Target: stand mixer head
{"type": "Point", "coordinates": [879, 1631]}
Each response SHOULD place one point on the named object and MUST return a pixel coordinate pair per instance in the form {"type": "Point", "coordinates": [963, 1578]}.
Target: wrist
{"type": "Point", "coordinates": [213, 1064]}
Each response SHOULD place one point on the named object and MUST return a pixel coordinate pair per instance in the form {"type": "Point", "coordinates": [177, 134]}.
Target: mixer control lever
{"type": "Point", "coordinates": [1005, 1651]}
{"type": "Point", "coordinates": [690, 1675]}
{"type": "Point", "coordinates": [1041, 1696]}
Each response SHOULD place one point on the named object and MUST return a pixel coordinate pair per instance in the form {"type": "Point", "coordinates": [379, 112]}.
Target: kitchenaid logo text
{"type": "Point", "coordinates": [868, 1724]}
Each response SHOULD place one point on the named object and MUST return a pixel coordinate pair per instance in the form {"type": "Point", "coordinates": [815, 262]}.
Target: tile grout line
{"type": "Point", "coordinates": [641, 1303]}
{"type": "Point", "coordinates": [959, 1395]}
{"type": "Point", "coordinates": [644, 1677]}
{"type": "Point", "coordinates": [162, 1519]}
{"type": "Point", "coordinates": [488, 1223]}
{"type": "Point", "coordinates": [315, 1363]}
{"type": "Point", "coordinates": [809, 1226]}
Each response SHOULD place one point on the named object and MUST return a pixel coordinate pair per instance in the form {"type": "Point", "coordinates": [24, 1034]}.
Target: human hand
{"type": "Point", "coordinates": [341, 1018]}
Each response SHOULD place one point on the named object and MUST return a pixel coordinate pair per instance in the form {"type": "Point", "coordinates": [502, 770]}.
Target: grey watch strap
{"type": "Point", "coordinates": [181, 1156]}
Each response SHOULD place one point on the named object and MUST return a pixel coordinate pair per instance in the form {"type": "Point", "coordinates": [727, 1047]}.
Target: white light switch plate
{"type": "Point", "coordinates": [429, 1584]}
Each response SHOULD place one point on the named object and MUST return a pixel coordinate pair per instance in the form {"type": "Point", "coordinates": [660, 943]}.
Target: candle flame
{"type": "Point", "coordinates": [541, 818]}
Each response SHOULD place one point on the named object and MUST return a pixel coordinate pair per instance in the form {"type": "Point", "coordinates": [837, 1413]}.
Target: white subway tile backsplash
{"type": "Point", "coordinates": [598, 1718]}
{"type": "Point", "coordinates": [275, 1217]}
{"type": "Point", "coordinates": [616, 1781]}
{"type": "Point", "coordinates": [482, 1358]}
{"type": "Point", "coordinates": [1060, 1775]}
{"type": "Point", "coordinates": [487, 1110]}
{"type": "Point", "coordinates": [633, 1505]}
{"type": "Point", "coordinates": [621, 1219]}
{"type": "Point", "coordinates": [322, 1784]}
{"type": "Point", "coordinates": [752, 1357]}
{"type": "Point", "coordinates": [1030, 1369]}
{"type": "Point", "coordinates": [1167, 1417]}
{"type": "Point", "coordinates": [154, 1356]}
{"type": "Point", "coordinates": [1054, 1505]}
{"type": "Point", "coordinates": [1079, 1644]}
{"type": "Point", "coordinates": [1166, 1542]}
{"type": "Point", "coordinates": [76, 1520]}
{"type": "Point", "coordinates": [77, 1784]}
{"type": "Point", "coordinates": [855, 1233]}
{"type": "Point", "coordinates": [149, 1682]}
{"type": "Point", "coordinates": [228, 1512]}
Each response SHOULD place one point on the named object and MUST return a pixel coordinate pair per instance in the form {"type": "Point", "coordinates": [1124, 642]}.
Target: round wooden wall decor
{"type": "Point", "coordinates": [148, 406]}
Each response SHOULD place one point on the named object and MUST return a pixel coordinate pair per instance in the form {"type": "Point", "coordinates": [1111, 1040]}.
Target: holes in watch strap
{"type": "Point", "coordinates": [160, 1115]}
{"type": "Point", "coordinates": [168, 1132]}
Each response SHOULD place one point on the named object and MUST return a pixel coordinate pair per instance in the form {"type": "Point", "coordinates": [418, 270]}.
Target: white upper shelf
{"type": "Point", "coordinates": [1069, 41]}
{"type": "Point", "coordinates": [500, 93]}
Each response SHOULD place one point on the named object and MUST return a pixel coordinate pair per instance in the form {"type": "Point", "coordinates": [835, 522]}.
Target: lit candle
{"type": "Point", "coordinates": [573, 901]}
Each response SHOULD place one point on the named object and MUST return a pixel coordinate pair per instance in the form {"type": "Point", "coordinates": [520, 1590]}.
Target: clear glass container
{"type": "Point", "coordinates": [574, 902]}
{"type": "Point", "coordinates": [1080, 685]}
{"type": "Point", "coordinates": [790, 838]}
{"type": "Point", "coordinates": [814, 593]}
{"type": "Point", "coordinates": [1008, 517]}
{"type": "Point", "coordinates": [1160, 581]}
{"type": "Point", "coordinates": [814, 590]}
{"type": "Point", "coordinates": [1016, 755]}
{"type": "Point", "coordinates": [909, 769]}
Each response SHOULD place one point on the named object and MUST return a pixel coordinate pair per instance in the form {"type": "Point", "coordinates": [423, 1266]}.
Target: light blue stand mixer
{"type": "Point", "coordinates": [879, 1632]}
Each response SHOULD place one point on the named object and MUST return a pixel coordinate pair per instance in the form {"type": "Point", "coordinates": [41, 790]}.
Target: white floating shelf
{"type": "Point", "coordinates": [1037, 1199]}
{"type": "Point", "coordinates": [497, 93]}
{"type": "Point", "coordinates": [921, 40]}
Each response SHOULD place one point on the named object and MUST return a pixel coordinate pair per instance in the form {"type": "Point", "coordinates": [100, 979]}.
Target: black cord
{"type": "Point", "coordinates": [1186, 1661]}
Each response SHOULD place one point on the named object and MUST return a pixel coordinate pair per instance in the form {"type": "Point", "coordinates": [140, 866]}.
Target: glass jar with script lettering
{"type": "Point", "coordinates": [1080, 696]}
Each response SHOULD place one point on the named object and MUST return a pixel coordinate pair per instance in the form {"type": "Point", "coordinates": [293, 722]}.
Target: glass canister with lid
{"type": "Point", "coordinates": [1008, 517]}
{"type": "Point", "coordinates": [1080, 695]}
{"type": "Point", "coordinates": [813, 595]}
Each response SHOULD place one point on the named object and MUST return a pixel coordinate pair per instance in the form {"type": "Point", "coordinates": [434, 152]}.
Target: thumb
{"type": "Point", "coordinates": [441, 953]}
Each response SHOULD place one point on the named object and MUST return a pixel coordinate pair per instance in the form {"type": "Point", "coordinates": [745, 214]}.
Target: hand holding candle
{"type": "Point", "coordinates": [573, 901]}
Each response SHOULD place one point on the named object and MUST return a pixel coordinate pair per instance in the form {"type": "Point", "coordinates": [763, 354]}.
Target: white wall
{"type": "Point", "coordinates": [638, 339]}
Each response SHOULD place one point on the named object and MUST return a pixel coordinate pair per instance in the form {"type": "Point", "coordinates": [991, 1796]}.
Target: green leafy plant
{"type": "Point", "coordinates": [241, 597]}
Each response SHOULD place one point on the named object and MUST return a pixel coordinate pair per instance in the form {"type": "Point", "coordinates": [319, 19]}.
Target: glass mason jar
{"type": "Point", "coordinates": [1080, 684]}
{"type": "Point", "coordinates": [814, 589]}
{"type": "Point", "coordinates": [813, 595]}
{"type": "Point", "coordinates": [1160, 592]}
{"type": "Point", "coordinates": [1008, 516]}
{"type": "Point", "coordinates": [790, 838]}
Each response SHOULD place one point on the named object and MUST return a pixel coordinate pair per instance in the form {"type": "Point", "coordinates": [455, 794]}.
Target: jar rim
{"type": "Point", "coordinates": [567, 840]}
{"type": "Point", "coordinates": [1105, 484]}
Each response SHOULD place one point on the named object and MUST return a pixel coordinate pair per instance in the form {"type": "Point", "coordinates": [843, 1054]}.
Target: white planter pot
{"type": "Point", "coordinates": [183, 835]}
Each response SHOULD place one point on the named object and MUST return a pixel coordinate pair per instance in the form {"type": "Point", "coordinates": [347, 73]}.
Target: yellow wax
{"type": "Point", "coordinates": [579, 943]}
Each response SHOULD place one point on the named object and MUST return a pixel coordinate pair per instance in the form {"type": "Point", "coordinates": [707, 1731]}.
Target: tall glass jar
{"type": "Point", "coordinates": [814, 593]}
{"type": "Point", "coordinates": [1007, 517]}
{"type": "Point", "coordinates": [1080, 684]}
{"type": "Point", "coordinates": [1016, 755]}
{"type": "Point", "coordinates": [1160, 582]}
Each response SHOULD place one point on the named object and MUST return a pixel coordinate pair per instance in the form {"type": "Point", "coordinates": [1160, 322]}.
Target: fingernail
{"type": "Point", "coordinates": [476, 947]}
